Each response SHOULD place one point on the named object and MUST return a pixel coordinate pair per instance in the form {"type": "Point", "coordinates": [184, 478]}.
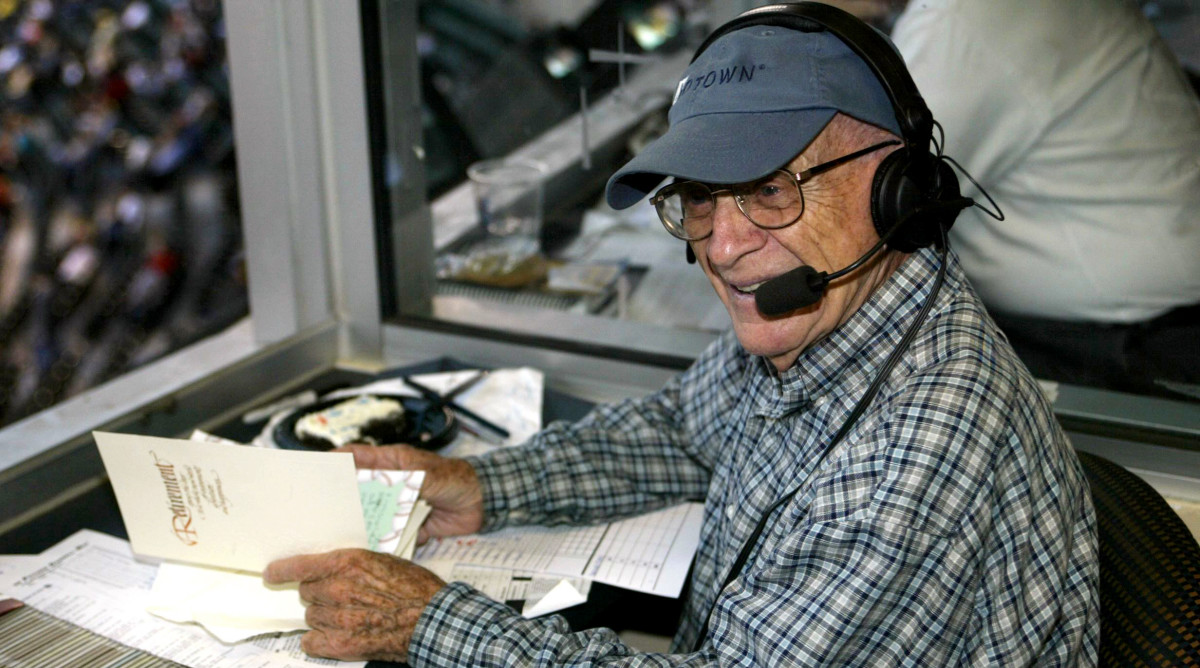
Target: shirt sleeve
{"type": "Point", "coordinates": [619, 460]}
{"type": "Point", "coordinates": [462, 627]}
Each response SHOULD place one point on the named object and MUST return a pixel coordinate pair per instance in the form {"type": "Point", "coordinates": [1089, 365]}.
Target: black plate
{"type": "Point", "coordinates": [426, 428]}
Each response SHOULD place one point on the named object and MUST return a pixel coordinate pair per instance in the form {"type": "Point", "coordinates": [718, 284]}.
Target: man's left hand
{"type": "Point", "coordinates": [362, 605]}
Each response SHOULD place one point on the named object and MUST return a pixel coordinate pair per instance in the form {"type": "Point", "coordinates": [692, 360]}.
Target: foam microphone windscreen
{"type": "Point", "coordinates": [797, 288]}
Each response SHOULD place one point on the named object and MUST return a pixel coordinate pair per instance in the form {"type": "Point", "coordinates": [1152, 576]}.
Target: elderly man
{"type": "Point", "coordinates": [884, 482]}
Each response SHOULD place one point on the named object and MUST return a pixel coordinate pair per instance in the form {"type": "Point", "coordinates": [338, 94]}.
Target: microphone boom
{"type": "Point", "coordinates": [804, 285]}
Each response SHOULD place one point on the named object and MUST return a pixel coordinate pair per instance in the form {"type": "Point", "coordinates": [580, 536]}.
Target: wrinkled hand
{"type": "Point", "coordinates": [362, 605]}
{"type": "Point", "coordinates": [451, 486]}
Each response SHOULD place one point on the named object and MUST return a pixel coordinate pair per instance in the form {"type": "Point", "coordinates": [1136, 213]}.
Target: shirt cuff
{"type": "Point", "coordinates": [455, 625]}
{"type": "Point", "coordinates": [509, 486]}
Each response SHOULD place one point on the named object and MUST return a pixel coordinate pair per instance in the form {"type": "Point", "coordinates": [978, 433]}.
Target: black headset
{"type": "Point", "coordinates": [910, 180]}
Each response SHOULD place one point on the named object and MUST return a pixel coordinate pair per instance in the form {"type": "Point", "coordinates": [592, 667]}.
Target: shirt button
{"type": "Point", "coordinates": [730, 510]}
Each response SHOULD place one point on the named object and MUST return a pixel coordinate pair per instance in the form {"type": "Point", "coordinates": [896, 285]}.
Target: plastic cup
{"type": "Point", "coordinates": [508, 196]}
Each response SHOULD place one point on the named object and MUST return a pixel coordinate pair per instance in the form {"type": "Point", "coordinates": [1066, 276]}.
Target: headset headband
{"type": "Point", "coordinates": [913, 115]}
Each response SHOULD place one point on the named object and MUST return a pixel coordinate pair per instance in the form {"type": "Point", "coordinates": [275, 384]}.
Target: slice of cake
{"type": "Point", "coordinates": [362, 419]}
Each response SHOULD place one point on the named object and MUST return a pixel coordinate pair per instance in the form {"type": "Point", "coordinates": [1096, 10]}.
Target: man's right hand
{"type": "Point", "coordinates": [451, 486]}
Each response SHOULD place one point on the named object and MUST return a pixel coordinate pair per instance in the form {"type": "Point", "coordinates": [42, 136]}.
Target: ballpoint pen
{"type": "Point", "coordinates": [438, 399]}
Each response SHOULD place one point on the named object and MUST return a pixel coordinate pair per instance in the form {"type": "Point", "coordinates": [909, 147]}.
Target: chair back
{"type": "Point", "coordinates": [1149, 572]}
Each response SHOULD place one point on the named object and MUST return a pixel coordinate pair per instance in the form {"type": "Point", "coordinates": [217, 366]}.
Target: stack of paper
{"type": "Point", "coordinates": [220, 513]}
{"type": "Point", "coordinates": [217, 513]}
{"type": "Point", "coordinates": [650, 553]}
{"type": "Point", "coordinates": [92, 580]}
{"type": "Point", "coordinates": [392, 510]}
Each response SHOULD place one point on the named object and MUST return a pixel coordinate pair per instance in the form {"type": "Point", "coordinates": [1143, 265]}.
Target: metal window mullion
{"type": "Point", "coordinates": [346, 165]}
{"type": "Point", "coordinates": [276, 127]}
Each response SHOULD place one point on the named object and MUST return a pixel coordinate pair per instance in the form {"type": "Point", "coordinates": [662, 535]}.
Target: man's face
{"type": "Point", "coordinates": [834, 231]}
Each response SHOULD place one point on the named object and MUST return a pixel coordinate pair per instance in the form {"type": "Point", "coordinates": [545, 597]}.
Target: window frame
{"type": "Point", "coordinates": [308, 223]}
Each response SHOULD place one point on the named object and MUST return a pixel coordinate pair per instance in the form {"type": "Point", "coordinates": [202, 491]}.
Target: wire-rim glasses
{"type": "Point", "coordinates": [686, 208]}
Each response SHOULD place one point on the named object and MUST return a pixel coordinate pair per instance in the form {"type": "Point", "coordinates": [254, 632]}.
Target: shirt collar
{"type": "Point", "coordinates": [849, 357]}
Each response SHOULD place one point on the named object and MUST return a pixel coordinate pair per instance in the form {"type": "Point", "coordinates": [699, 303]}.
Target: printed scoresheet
{"type": "Point", "coordinates": [649, 553]}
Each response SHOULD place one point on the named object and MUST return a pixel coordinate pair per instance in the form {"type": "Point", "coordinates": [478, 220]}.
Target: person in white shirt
{"type": "Point", "coordinates": [1075, 116]}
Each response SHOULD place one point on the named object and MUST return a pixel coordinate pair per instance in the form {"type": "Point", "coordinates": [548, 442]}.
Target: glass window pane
{"type": "Point", "coordinates": [509, 80]}
{"type": "Point", "coordinates": [120, 238]}
{"type": "Point", "coordinates": [498, 79]}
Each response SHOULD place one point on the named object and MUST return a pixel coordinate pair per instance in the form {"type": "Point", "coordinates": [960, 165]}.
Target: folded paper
{"type": "Point", "coordinates": [234, 605]}
{"type": "Point", "coordinates": [231, 605]}
{"type": "Point", "coordinates": [231, 506]}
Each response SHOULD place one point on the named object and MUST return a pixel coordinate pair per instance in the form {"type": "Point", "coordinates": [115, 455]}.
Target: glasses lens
{"type": "Point", "coordinates": [773, 201]}
{"type": "Point", "coordinates": [686, 210]}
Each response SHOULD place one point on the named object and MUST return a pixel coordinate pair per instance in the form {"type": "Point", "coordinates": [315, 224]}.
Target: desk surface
{"type": "Point", "coordinates": [97, 509]}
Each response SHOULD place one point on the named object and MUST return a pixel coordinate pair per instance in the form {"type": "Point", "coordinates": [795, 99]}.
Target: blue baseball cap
{"type": "Point", "coordinates": [751, 102]}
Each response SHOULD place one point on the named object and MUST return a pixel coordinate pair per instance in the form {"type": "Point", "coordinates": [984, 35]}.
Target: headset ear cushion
{"type": "Point", "coordinates": [903, 185]}
{"type": "Point", "coordinates": [893, 196]}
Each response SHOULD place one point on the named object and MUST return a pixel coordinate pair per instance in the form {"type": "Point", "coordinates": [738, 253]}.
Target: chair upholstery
{"type": "Point", "coordinates": [1149, 572]}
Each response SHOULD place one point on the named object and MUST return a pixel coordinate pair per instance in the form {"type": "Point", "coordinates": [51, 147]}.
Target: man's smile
{"type": "Point", "coordinates": [747, 289]}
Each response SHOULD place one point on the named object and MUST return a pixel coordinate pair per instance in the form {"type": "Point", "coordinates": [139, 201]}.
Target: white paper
{"type": "Point", "coordinates": [539, 587]}
{"type": "Point", "coordinates": [92, 580]}
{"type": "Point", "coordinates": [511, 398]}
{"type": "Point", "coordinates": [205, 437]}
{"type": "Point", "coordinates": [649, 553]}
{"type": "Point", "coordinates": [508, 584]}
{"type": "Point", "coordinates": [231, 506]}
{"type": "Point", "coordinates": [408, 540]}
{"type": "Point", "coordinates": [387, 517]}
{"type": "Point", "coordinates": [562, 596]}
{"type": "Point", "coordinates": [14, 563]}
{"type": "Point", "coordinates": [232, 605]}
{"type": "Point", "coordinates": [13, 567]}
{"type": "Point", "coordinates": [554, 550]}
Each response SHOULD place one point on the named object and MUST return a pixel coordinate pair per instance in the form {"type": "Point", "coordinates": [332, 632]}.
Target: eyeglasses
{"type": "Point", "coordinates": [775, 201]}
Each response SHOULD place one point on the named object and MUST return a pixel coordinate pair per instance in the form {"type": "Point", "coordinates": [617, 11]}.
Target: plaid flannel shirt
{"type": "Point", "coordinates": [952, 525]}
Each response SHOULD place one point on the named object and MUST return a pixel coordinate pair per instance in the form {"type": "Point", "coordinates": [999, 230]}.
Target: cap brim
{"type": "Point", "coordinates": [718, 148]}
